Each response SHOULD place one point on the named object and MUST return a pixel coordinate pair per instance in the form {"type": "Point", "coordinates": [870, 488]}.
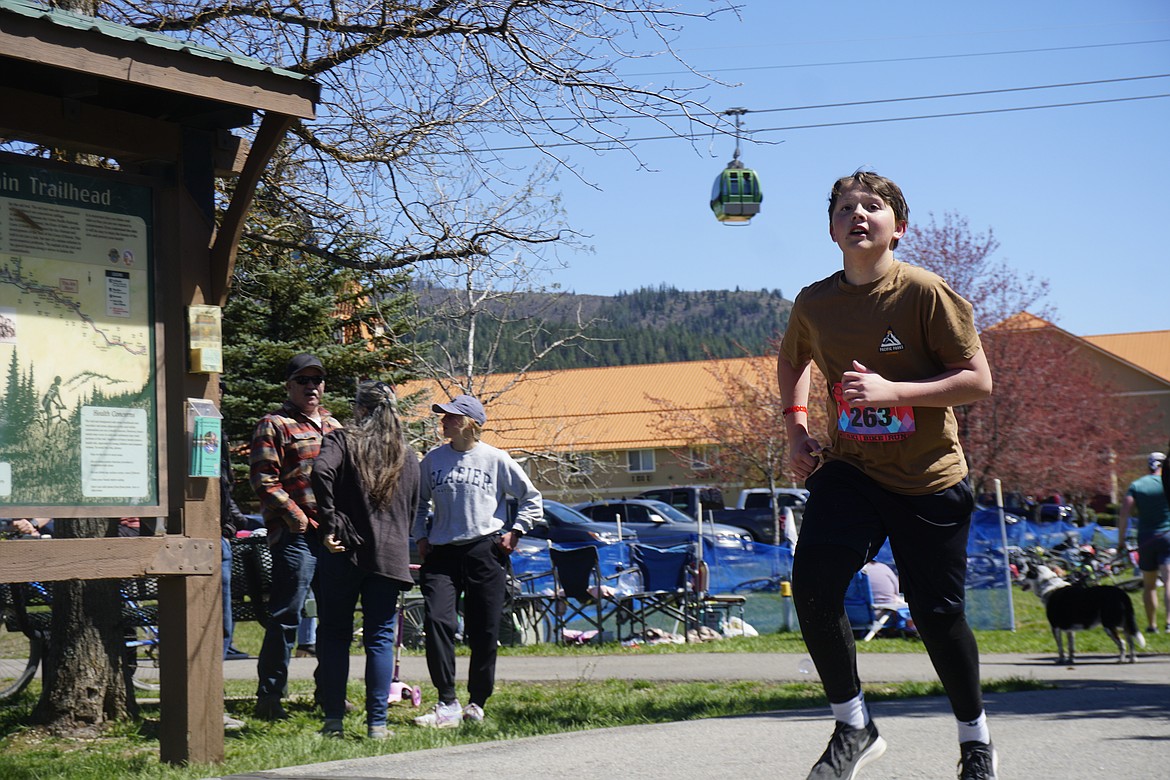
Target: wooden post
{"type": "Point", "coordinates": [191, 670]}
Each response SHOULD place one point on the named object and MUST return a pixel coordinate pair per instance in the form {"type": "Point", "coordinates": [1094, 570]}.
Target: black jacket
{"type": "Point", "coordinates": [231, 519]}
{"type": "Point", "coordinates": [344, 510]}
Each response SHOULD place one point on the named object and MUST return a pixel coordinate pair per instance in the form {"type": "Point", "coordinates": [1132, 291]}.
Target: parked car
{"type": "Point", "coordinates": [689, 499]}
{"type": "Point", "coordinates": [1024, 506]}
{"type": "Point", "coordinates": [756, 518]}
{"type": "Point", "coordinates": [564, 525]}
{"type": "Point", "coordinates": [662, 525]}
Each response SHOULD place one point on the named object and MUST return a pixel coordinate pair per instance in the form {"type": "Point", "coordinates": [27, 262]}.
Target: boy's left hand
{"type": "Point", "coordinates": [862, 387]}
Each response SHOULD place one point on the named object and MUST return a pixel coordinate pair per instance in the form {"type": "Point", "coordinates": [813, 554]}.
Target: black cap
{"type": "Point", "coordinates": [300, 362]}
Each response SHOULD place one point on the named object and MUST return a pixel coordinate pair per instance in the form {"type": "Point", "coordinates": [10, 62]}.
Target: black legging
{"type": "Point", "coordinates": [820, 577]}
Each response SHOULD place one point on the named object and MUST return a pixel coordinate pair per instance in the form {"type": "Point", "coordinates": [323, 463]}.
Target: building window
{"type": "Point", "coordinates": [640, 461]}
{"type": "Point", "coordinates": [577, 465]}
{"type": "Point", "coordinates": [702, 458]}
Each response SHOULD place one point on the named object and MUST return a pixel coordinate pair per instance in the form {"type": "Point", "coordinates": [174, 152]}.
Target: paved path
{"type": "Point", "coordinates": [1102, 719]}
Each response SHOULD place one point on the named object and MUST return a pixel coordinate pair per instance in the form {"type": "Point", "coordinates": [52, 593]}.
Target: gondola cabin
{"type": "Point", "coordinates": [736, 196]}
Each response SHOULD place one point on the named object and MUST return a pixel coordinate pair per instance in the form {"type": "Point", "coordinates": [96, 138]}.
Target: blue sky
{"type": "Point", "coordinates": [1077, 195]}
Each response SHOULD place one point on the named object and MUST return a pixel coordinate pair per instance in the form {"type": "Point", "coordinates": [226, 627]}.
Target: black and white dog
{"type": "Point", "coordinates": [1072, 608]}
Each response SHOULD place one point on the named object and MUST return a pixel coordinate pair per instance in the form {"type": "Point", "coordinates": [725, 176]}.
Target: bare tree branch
{"type": "Point", "coordinates": [415, 95]}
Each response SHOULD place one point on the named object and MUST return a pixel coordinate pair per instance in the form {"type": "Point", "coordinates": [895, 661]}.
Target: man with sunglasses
{"type": "Point", "coordinates": [283, 449]}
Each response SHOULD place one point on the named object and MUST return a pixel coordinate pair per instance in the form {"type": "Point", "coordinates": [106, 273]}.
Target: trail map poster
{"type": "Point", "coordinates": [78, 418]}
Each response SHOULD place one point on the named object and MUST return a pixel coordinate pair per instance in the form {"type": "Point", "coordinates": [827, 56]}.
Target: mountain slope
{"type": "Point", "coordinates": [649, 325]}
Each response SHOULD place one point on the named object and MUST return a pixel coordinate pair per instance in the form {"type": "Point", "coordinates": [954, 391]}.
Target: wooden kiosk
{"type": "Point", "coordinates": [164, 111]}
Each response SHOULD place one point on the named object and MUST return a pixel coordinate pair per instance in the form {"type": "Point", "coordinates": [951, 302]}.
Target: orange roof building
{"type": "Point", "coordinates": [597, 417]}
{"type": "Point", "coordinates": [607, 427]}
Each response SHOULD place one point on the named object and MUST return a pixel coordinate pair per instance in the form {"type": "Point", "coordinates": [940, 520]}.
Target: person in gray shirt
{"type": "Point", "coordinates": [464, 546]}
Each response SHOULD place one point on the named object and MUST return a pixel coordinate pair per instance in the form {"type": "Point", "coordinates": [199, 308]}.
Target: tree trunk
{"type": "Point", "coordinates": [86, 677]}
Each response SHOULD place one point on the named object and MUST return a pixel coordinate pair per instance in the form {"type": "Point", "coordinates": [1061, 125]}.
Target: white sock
{"type": "Point", "coordinates": [974, 730]}
{"type": "Point", "coordinates": [852, 713]}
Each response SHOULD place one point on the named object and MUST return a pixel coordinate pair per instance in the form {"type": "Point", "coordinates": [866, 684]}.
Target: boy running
{"type": "Point", "coordinates": [898, 348]}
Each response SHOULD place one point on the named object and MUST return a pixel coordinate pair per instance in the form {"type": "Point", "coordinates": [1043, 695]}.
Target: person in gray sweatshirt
{"type": "Point", "coordinates": [464, 544]}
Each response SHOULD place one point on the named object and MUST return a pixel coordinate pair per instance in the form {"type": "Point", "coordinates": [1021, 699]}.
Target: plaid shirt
{"type": "Point", "coordinates": [283, 449]}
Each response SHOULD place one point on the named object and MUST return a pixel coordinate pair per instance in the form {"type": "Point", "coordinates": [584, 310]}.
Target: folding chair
{"type": "Point", "coordinates": [665, 591]}
{"type": "Point", "coordinates": [581, 590]}
{"type": "Point", "coordinates": [527, 614]}
{"type": "Point", "coordinates": [714, 607]}
{"type": "Point", "coordinates": [866, 619]}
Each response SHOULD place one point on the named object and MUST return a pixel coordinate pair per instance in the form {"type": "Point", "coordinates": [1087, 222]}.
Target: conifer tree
{"type": "Point", "coordinates": [282, 302]}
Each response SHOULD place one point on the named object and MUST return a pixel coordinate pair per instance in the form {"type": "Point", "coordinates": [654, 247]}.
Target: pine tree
{"type": "Point", "coordinates": [282, 302]}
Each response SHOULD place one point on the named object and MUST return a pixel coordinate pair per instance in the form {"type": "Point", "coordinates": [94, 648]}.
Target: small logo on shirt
{"type": "Point", "coordinates": [890, 342]}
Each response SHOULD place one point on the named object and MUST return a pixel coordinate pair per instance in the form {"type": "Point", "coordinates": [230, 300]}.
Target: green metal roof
{"type": "Point", "coordinates": [33, 9]}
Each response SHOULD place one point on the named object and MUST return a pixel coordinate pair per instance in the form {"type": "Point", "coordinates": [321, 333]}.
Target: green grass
{"type": "Point", "coordinates": [130, 750]}
{"type": "Point", "coordinates": [1032, 636]}
{"type": "Point", "coordinates": [516, 710]}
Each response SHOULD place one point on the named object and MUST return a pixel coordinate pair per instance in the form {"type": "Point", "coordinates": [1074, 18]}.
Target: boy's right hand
{"type": "Point", "coordinates": [805, 457]}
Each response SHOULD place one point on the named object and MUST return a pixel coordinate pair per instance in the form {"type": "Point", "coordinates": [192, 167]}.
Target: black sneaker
{"type": "Point", "coordinates": [849, 750]}
{"type": "Point", "coordinates": [269, 708]}
{"type": "Point", "coordinates": [978, 761]}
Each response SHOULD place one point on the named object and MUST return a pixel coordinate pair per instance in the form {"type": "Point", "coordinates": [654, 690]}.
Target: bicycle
{"type": "Point", "coordinates": [22, 635]}
{"type": "Point", "coordinates": [25, 617]}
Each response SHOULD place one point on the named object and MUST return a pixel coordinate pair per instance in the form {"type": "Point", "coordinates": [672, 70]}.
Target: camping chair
{"type": "Point", "coordinates": [527, 614]}
{"type": "Point", "coordinates": [714, 609]}
{"type": "Point", "coordinates": [866, 619]}
{"type": "Point", "coordinates": [581, 590]}
{"type": "Point", "coordinates": [665, 589]}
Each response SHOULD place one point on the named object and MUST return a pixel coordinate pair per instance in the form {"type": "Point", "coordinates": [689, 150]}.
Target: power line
{"type": "Point", "coordinates": [852, 103]}
{"type": "Point", "coordinates": [900, 59]}
{"type": "Point", "coordinates": [848, 104]}
{"type": "Point", "coordinates": [1096, 26]}
{"type": "Point", "coordinates": [820, 125]}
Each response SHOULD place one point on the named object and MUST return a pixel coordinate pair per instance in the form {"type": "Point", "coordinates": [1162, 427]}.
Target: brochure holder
{"type": "Point", "coordinates": [204, 437]}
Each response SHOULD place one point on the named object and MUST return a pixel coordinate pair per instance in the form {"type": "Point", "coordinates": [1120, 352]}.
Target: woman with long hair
{"type": "Point", "coordinates": [366, 481]}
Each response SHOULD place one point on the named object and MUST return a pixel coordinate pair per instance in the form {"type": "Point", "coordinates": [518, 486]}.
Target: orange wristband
{"type": "Point", "coordinates": [792, 409]}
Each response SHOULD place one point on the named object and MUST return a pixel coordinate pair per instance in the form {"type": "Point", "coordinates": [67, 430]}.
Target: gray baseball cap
{"type": "Point", "coordinates": [1156, 460]}
{"type": "Point", "coordinates": [466, 405]}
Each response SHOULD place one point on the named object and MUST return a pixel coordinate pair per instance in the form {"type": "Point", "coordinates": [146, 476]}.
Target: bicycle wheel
{"type": "Point", "coordinates": [413, 635]}
{"type": "Point", "coordinates": [142, 653]}
{"type": "Point", "coordinates": [145, 677]}
{"type": "Point", "coordinates": [19, 658]}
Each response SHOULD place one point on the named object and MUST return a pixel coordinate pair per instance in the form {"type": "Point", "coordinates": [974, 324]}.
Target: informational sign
{"type": "Point", "coordinates": [78, 422]}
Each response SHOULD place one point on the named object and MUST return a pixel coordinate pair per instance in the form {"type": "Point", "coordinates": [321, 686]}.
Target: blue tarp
{"type": "Point", "coordinates": [728, 568]}
{"type": "Point", "coordinates": [1024, 533]}
{"type": "Point", "coordinates": [989, 595]}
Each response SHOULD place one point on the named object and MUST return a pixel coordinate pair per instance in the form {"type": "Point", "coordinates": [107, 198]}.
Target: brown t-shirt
{"type": "Point", "coordinates": [904, 326]}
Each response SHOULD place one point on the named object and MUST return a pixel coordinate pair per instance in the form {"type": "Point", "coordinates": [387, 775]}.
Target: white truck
{"type": "Point", "coordinates": [757, 498]}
